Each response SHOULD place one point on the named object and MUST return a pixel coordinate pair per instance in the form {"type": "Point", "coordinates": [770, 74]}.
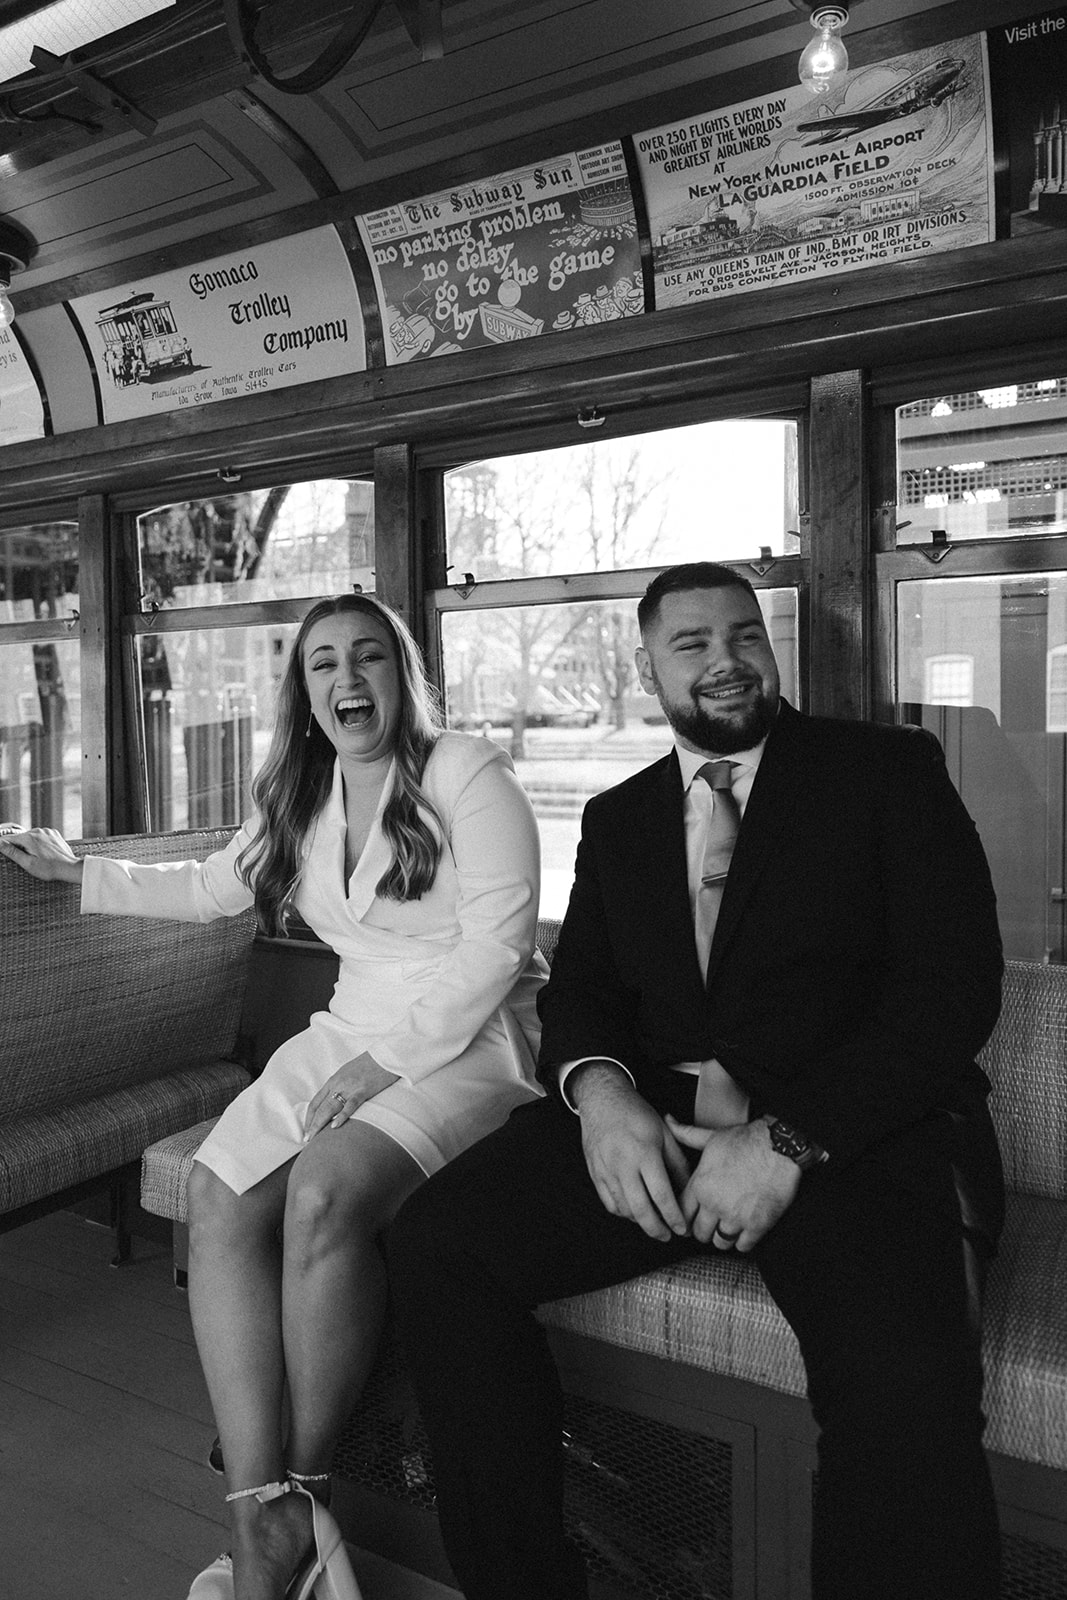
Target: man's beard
{"type": "Point", "coordinates": [723, 733]}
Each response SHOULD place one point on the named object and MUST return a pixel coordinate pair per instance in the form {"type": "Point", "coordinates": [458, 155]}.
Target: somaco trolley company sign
{"type": "Point", "coordinates": [893, 166]}
{"type": "Point", "coordinates": [281, 313]}
{"type": "Point", "coordinates": [21, 406]}
{"type": "Point", "coordinates": [542, 249]}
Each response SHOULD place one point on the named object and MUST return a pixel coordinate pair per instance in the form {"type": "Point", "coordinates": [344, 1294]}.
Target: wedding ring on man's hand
{"type": "Point", "coordinates": [728, 1238]}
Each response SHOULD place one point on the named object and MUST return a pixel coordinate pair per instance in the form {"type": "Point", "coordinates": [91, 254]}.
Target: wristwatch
{"type": "Point", "coordinates": [797, 1146]}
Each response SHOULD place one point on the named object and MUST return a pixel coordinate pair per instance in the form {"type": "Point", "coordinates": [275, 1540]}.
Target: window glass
{"type": "Point", "coordinates": [38, 571]}
{"type": "Point", "coordinates": [208, 703]}
{"type": "Point", "coordinates": [983, 663]}
{"type": "Point", "coordinates": [983, 463]}
{"type": "Point", "coordinates": [557, 687]}
{"type": "Point", "coordinates": [40, 682]}
{"type": "Point", "coordinates": [713, 491]}
{"type": "Point", "coordinates": [40, 735]}
{"type": "Point", "coordinates": [263, 544]}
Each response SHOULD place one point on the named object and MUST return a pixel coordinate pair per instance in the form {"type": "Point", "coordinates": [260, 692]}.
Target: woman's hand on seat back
{"type": "Point", "coordinates": [42, 852]}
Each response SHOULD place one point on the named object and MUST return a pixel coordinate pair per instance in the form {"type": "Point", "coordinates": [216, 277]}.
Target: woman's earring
{"type": "Point", "coordinates": [307, 730]}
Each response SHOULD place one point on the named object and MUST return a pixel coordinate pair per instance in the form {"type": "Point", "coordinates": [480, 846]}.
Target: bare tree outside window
{"type": "Point", "coordinates": [552, 677]}
{"type": "Point", "coordinates": [549, 664]}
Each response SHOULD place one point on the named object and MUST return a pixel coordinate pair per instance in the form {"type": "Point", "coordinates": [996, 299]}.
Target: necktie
{"type": "Point", "coordinates": [718, 849]}
{"type": "Point", "coordinates": [720, 1102]}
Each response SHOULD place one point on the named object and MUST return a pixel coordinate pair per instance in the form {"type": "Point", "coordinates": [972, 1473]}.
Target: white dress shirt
{"type": "Point", "coordinates": [699, 804]}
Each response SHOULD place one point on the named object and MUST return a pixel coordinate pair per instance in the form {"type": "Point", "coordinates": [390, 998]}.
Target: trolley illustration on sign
{"type": "Point", "coordinates": [141, 340]}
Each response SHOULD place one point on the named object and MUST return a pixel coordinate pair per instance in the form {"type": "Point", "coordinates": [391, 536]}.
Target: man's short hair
{"type": "Point", "coordinates": [687, 575]}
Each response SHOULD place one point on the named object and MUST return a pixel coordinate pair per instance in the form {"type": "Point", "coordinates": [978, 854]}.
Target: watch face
{"type": "Point", "coordinates": [788, 1142]}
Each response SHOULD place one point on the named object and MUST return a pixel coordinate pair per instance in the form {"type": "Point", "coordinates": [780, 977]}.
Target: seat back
{"type": "Point", "coordinates": [96, 1003]}
{"type": "Point", "coordinates": [1026, 1061]}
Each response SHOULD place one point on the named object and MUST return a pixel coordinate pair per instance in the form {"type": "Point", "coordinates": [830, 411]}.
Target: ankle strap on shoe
{"type": "Point", "coordinates": [264, 1492]}
{"type": "Point", "coordinates": [308, 1477]}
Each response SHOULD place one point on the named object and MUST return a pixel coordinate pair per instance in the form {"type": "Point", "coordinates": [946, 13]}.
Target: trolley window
{"type": "Point", "coordinates": [291, 542]}
{"type": "Point", "coordinates": [40, 678]}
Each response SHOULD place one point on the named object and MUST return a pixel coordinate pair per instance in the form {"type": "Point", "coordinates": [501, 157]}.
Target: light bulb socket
{"type": "Point", "coordinates": [829, 17]}
{"type": "Point", "coordinates": [16, 247]}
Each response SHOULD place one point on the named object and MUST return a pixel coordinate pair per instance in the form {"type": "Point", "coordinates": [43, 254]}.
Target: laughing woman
{"type": "Point", "coordinates": [412, 852]}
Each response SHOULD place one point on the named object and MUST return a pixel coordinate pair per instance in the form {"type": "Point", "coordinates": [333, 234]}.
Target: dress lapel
{"type": "Point", "coordinates": [376, 853]}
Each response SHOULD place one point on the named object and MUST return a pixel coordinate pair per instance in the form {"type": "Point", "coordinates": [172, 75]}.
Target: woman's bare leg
{"type": "Point", "coordinates": [235, 1295]}
{"type": "Point", "coordinates": [235, 1288]}
{"type": "Point", "coordinates": [308, 1311]}
{"type": "Point", "coordinates": [343, 1190]}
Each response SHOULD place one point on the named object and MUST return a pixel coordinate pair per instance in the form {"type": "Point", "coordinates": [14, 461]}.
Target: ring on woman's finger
{"type": "Point", "coordinates": [727, 1238]}
{"type": "Point", "coordinates": [340, 1097]}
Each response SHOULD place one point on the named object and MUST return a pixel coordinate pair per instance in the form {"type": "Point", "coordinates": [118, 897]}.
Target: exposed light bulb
{"type": "Point", "coordinates": [825, 59]}
{"type": "Point", "coordinates": [7, 310]}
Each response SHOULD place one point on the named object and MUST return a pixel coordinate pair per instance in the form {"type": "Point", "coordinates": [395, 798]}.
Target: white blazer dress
{"type": "Point", "coordinates": [442, 991]}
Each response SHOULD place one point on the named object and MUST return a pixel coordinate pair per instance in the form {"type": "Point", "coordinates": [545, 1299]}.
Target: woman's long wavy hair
{"type": "Point", "coordinates": [294, 782]}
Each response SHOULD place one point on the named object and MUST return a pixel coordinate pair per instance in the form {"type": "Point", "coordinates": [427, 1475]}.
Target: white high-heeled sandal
{"type": "Point", "coordinates": [329, 1575]}
{"type": "Point", "coordinates": [215, 1582]}
{"type": "Point", "coordinates": [325, 1573]}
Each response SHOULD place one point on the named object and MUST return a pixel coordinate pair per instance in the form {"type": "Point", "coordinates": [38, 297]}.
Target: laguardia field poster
{"type": "Point", "coordinates": [895, 165]}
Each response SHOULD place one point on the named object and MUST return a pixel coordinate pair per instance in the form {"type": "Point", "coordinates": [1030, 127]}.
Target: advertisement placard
{"type": "Point", "coordinates": [538, 250]}
{"type": "Point", "coordinates": [21, 406]}
{"type": "Point", "coordinates": [1027, 74]}
{"type": "Point", "coordinates": [279, 313]}
{"type": "Point", "coordinates": [895, 165]}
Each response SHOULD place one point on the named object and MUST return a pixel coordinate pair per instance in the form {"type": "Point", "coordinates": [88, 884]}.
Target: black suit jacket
{"type": "Point", "coordinates": [856, 965]}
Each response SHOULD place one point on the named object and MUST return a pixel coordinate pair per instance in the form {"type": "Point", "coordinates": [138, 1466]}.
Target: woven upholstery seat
{"type": "Point", "coordinates": [116, 1029]}
{"type": "Point", "coordinates": [53, 1150]}
{"type": "Point", "coordinates": [714, 1313]}
{"type": "Point", "coordinates": [1024, 1335]}
{"type": "Point", "coordinates": [1026, 1061]}
{"type": "Point", "coordinates": [165, 1169]}
{"type": "Point", "coordinates": [710, 1312]}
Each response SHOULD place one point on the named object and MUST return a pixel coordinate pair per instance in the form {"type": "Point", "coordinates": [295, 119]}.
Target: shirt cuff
{"type": "Point", "coordinates": [568, 1067]}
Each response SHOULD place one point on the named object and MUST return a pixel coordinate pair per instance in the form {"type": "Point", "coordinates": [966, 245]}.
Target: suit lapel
{"type": "Point", "coordinates": [770, 807]}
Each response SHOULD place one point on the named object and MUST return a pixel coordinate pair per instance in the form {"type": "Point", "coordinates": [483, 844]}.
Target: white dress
{"type": "Point", "coordinates": [440, 990]}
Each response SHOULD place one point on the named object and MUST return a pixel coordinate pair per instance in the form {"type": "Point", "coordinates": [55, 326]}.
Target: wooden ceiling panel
{"type": "Point", "coordinates": [197, 174]}
{"type": "Point", "coordinates": [566, 63]}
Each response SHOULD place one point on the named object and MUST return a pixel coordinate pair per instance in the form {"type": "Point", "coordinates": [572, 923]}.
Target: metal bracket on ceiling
{"type": "Point", "coordinates": [118, 112]}
{"type": "Point", "coordinates": [422, 19]}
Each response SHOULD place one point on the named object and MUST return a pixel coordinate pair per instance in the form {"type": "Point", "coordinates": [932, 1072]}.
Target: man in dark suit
{"type": "Point", "coordinates": [779, 960]}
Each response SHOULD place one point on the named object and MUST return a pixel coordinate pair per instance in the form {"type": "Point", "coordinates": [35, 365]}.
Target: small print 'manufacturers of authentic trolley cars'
{"type": "Point", "coordinates": [141, 339]}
